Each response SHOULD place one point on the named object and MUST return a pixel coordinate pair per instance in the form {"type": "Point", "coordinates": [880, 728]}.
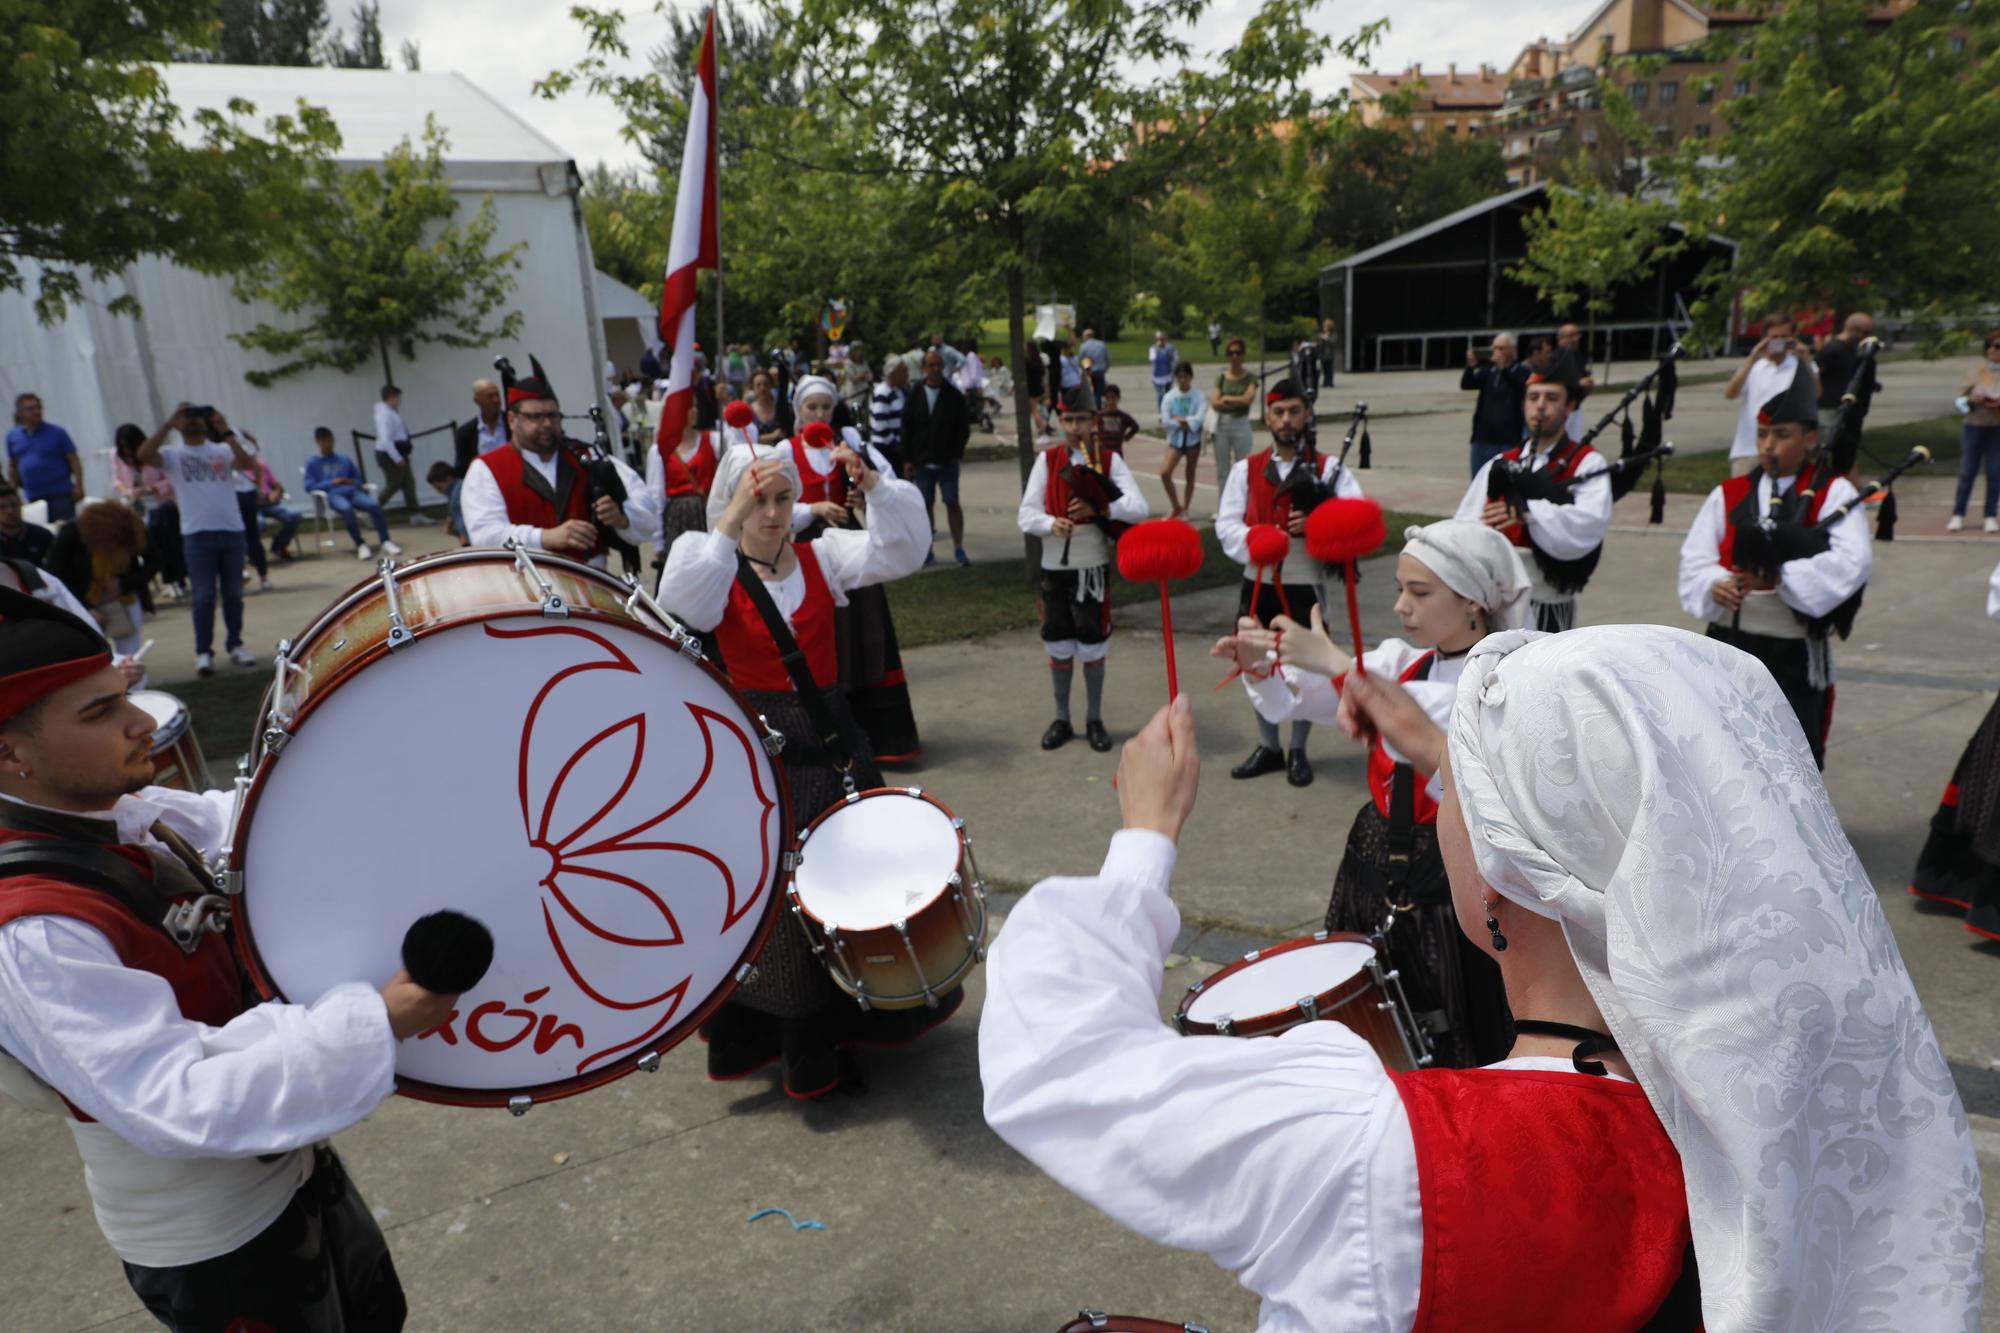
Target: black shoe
{"type": "Point", "coordinates": [1100, 739]}
{"type": "Point", "coordinates": [1058, 734]}
{"type": "Point", "coordinates": [740, 1041]}
{"type": "Point", "coordinates": [1262, 760]}
{"type": "Point", "coordinates": [811, 1060]}
{"type": "Point", "coordinates": [1298, 771]}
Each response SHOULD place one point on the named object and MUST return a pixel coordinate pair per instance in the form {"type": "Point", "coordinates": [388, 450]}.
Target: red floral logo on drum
{"type": "Point", "coordinates": [595, 904]}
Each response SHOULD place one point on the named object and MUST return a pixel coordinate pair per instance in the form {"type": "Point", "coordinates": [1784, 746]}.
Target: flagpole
{"type": "Point", "coordinates": [715, 156]}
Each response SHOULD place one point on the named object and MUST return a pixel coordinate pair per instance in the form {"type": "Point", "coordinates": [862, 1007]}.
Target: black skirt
{"type": "Point", "coordinates": [1960, 862]}
{"type": "Point", "coordinates": [871, 670]}
{"type": "Point", "coordinates": [1454, 989]}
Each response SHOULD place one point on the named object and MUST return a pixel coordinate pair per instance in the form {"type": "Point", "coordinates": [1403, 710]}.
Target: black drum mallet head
{"type": "Point", "coordinates": [447, 952]}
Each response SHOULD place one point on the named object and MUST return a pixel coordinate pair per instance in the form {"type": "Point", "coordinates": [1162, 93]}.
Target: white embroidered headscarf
{"type": "Point", "coordinates": [1477, 563]}
{"type": "Point", "coordinates": [1651, 790]}
{"type": "Point", "coordinates": [735, 466]}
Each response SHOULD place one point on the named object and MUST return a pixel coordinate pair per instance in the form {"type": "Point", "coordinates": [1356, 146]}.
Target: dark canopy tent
{"type": "Point", "coordinates": [1418, 301]}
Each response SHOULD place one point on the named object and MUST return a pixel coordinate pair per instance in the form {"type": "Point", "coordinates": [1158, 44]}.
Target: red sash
{"type": "Point", "coordinates": [750, 654]}
{"type": "Point", "coordinates": [1564, 462]}
{"type": "Point", "coordinates": [1739, 491]}
{"type": "Point", "coordinates": [1551, 1200]}
{"type": "Point", "coordinates": [816, 487]}
{"type": "Point", "coordinates": [525, 504]}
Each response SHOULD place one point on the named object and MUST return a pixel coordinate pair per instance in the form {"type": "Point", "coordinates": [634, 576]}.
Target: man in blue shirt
{"type": "Point", "coordinates": [42, 461]}
{"type": "Point", "coordinates": [336, 476]}
{"type": "Point", "coordinates": [1164, 358]}
{"type": "Point", "coordinates": [1093, 350]}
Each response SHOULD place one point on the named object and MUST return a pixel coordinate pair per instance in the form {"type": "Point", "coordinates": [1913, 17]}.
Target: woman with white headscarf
{"type": "Point", "coordinates": [1455, 584]}
{"type": "Point", "coordinates": [1723, 1078]}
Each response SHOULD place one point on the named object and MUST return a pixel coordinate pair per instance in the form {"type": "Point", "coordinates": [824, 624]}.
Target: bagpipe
{"type": "Point", "coordinates": [1092, 484]}
{"type": "Point", "coordinates": [1306, 489]}
{"type": "Point", "coordinates": [1763, 549]}
{"type": "Point", "coordinates": [1840, 448]}
{"type": "Point", "coordinates": [600, 472]}
{"type": "Point", "coordinates": [1637, 448]}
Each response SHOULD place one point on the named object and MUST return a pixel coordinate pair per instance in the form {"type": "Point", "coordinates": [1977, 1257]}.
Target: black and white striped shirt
{"type": "Point", "coordinates": [886, 416]}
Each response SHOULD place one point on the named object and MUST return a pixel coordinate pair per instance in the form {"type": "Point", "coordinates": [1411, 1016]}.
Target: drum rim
{"type": "Point", "coordinates": [1252, 1025]}
{"type": "Point", "coordinates": [168, 733]}
{"type": "Point", "coordinates": [446, 1094]}
{"type": "Point", "coordinates": [800, 839]}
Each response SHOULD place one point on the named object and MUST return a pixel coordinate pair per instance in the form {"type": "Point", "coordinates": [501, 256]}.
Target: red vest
{"type": "Point", "coordinates": [693, 475]}
{"type": "Point", "coordinates": [1263, 504]}
{"type": "Point", "coordinates": [204, 982]}
{"type": "Point", "coordinates": [1382, 768]}
{"type": "Point", "coordinates": [1565, 461]}
{"type": "Point", "coordinates": [1551, 1200]}
{"type": "Point", "coordinates": [750, 654]}
{"type": "Point", "coordinates": [1056, 497]}
{"type": "Point", "coordinates": [815, 486]}
{"type": "Point", "coordinates": [1739, 490]}
{"type": "Point", "coordinates": [526, 505]}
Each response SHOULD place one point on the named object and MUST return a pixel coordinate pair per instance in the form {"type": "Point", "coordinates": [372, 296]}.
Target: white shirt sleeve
{"type": "Point", "coordinates": [1033, 516]}
{"type": "Point", "coordinates": [694, 585]}
{"type": "Point", "coordinates": [656, 471]}
{"type": "Point", "coordinates": [645, 504]}
{"type": "Point", "coordinates": [1287, 1159]}
{"type": "Point", "coordinates": [485, 511]}
{"type": "Point", "coordinates": [1290, 694]}
{"type": "Point", "coordinates": [1346, 486]}
{"type": "Point", "coordinates": [113, 1041]}
{"type": "Point", "coordinates": [1993, 595]}
{"type": "Point", "coordinates": [1230, 528]}
{"type": "Point", "coordinates": [1472, 504]}
{"type": "Point", "coordinates": [1130, 506]}
{"type": "Point", "coordinates": [1574, 530]}
{"type": "Point", "coordinates": [1701, 560]}
{"type": "Point", "coordinates": [1817, 585]}
{"type": "Point", "coordinates": [59, 594]}
{"type": "Point", "coordinates": [892, 546]}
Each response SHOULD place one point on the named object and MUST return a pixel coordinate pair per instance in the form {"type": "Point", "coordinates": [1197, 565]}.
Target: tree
{"type": "Point", "coordinates": [270, 32]}
{"type": "Point", "coordinates": [1856, 169]}
{"type": "Point", "coordinates": [98, 168]}
{"type": "Point", "coordinates": [365, 52]}
{"type": "Point", "coordinates": [1386, 179]}
{"type": "Point", "coordinates": [1589, 241]}
{"type": "Point", "coordinates": [381, 265]}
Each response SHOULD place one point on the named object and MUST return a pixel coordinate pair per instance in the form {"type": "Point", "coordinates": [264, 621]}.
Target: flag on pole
{"type": "Point", "coordinates": [694, 245]}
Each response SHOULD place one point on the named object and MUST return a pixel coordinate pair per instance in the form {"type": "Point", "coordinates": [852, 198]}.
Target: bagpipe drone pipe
{"type": "Point", "coordinates": [1091, 483]}
{"type": "Point", "coordinates": [1659, 387]}
{"type": "Point", "coordinates": [594, 461]}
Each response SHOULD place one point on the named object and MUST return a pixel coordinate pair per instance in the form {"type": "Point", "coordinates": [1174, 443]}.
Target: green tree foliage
{"type": "Point", "coordinates": [271, 32]}
{"type": "Point", "coordinates": [382, 264]}
{"type": "Point", "coordinates": [1856, 171]}
{"type": "Point", "coordinates": [1589, 241]}
{"type": "Point", "coordinates": [1383, 180]}
{"type": "Point", "coordinates": [365, 51]}
{"type": "Point", "coordinates": [97, 167]}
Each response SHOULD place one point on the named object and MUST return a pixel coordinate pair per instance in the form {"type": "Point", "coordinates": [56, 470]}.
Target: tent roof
{"type": "Point", "coordinates": [617, 301]}
{"type": "Point", "coordinates": [1432, 228]}
{"type": "Point", "coordinates": [375, 109]}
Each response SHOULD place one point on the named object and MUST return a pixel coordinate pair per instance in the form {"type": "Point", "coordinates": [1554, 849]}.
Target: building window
{"type": "Point", "coordinates": [1740, 87]}
{"type": "Point", "coordinates": [1662, 133]}
{"type": "Point", "coordinates": [1669, 93]}
{"type": "Point", "coordinates": [1451, 127]}
{"type": "Point", "coordinates": [1590, 134]}
{"type": "Point", "coordinates": [1638, 93]}
{"type": "Point", "coordinates": [1704, 92]}
{"type": "Point", "coordinates": [1701, 129]}
{"type": "Point", "coordinates": [1417, 123]}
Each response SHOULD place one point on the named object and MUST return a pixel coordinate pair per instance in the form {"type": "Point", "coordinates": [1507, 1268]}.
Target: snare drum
{"type": "Point", "coordinates": [526, 740]}
{"type": "Point", "coordinates": [177, 759]}
{"type": "Point", "coordinates": [1342, 977]}
{"type": "Point", "coordinates": [885, 886]}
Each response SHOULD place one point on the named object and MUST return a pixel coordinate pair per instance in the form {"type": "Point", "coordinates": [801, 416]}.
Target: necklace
{"type": "Point", "coordinates": [1589, 1041]}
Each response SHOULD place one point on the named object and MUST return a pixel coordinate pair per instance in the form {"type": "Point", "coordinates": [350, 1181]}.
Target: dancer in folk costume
{"type": "Point", "coordinates": [1455, 584]}
{"type": "Point", "coordinates": [1960, 862]}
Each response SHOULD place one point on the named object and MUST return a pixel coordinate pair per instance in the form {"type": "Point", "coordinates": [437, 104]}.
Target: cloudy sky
{"type": "Point", "coordinates": [505, 45]}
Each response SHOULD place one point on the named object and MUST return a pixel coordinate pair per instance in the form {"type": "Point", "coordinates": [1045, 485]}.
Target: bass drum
{"type": "Point", "coordinates": [522, 739]}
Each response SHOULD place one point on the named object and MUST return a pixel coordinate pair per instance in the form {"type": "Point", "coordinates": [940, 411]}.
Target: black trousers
{"type": "Point", "coordinates": [1789, 665]}
{"type": "Point", "coordinates": [322, 1267]}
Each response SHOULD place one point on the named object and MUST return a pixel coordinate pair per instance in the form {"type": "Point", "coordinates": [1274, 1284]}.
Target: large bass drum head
{"type": "Point", "coordinates": [602, 803]}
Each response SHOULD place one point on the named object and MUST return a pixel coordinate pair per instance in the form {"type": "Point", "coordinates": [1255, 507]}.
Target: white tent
{"type": "Point", "coordinates": [631, 322]}
{"type": "Point", "coordinates": [94, 370]}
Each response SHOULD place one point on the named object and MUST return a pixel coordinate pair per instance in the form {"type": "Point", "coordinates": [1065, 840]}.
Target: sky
{"type": "Point", "coordinates": [516, 42]}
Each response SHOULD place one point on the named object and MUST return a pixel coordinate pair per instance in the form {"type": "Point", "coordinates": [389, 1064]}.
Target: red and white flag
{"type": "Point", "coordinates": [695, 245]}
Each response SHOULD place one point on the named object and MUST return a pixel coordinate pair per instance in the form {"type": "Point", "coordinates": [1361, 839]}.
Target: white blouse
{"type": "Point", "coordinates": [1565, 532]}
{"type": "Point", "coordinates": [1812, 587]}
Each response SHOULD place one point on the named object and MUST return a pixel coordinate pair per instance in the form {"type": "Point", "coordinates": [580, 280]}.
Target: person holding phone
{"type": "Point", "coordinates": [1764, 374]}
{"type": "Point", "coordinates": [202, 458]}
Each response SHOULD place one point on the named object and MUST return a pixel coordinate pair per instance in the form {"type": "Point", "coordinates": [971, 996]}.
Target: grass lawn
{"type": "Point", "coordinates": [1698, 474]}
{"type": "Point", "coordinates": [993, 595]}
{"type": "Point", "coordinates": [224, 708]}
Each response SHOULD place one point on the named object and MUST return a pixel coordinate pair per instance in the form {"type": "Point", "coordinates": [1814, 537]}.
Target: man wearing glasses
{"type": "Point", "coordinates": [533, 491]}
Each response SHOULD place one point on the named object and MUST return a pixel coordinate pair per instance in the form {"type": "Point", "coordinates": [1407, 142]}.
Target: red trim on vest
{"type": "Point", "coordinates": [205, 983]}
{"type": "Point", "coordinates": [1950, 795]}
{"type": "Point", "coordinates": [1261, 502]}
{"type": "Point", "coordinates": [525, 506]}
{"type": "Point", "coordinates": [1550, 1200]}
{"type": "Point", "coordinates": [816, 487]}
{"type": "Point", "coordinates": [1382, 768]}
{"type": "Point", "coordinates": [751, 655]}
{"type": "Point", "coordinates": [1573, 455]}
{"type": "Point", "coordinates": [1056, 495]}
{"type": "Point", "coordinates": [1738, 489]}
{"type": "Point", "coordinates": [702, 463]}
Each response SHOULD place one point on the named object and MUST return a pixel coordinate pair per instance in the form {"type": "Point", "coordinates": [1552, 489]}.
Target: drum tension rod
{"type": "Point", "coordinates": [552, 602]}
{"type": "Point", "coordinates": [399, 633]}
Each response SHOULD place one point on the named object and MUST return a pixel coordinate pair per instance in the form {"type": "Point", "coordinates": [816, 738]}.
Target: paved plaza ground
{"type": "Point", "coordinates": [626, 1208]}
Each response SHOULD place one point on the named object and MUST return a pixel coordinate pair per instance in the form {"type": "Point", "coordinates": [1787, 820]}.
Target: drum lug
{"type": "Point", "coordinates": [552, 603]}
{"type": "Point", "coordinates": [1253, 955]}
{"type": "Point", "coordinates": [1180, 1024]}
{"type": "Point", "coordinates": [1319, 936]}
{"type": "Point", "coordinates": [790, 862]}
{"type": "Point", "coordinates": [1224, 1026]}
{"type": "Point", "coordinates": [773, 739]}
{"type": "Point", "coordinates": [518, 1104]}
{"type": "Point", "coordinates": [275, 740]}
{"type": "Point", "coordinates": [650, 1062]}
{"type": "Point", "coordinates": [399, 633]}
{"type": "Point", "coordinates": [852, 795]}
{"type": "Point", "coordinates": [746, 974]}
{"type": "Point", "coordinates": [914, 791]}
{"type": "Point", "coordinates": [1309, 1006]}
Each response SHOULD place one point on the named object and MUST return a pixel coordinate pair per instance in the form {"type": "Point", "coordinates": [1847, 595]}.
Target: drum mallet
{"type": "Point", "coordinates": [1339, 532]}
{"type": "Point", "coordinates": [1158, 551]}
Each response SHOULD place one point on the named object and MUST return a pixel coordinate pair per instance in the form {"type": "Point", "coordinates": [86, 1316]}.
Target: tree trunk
{"type": "Point", "coordinates": [1024, 417]}
{"type": "Point", "coordinates": [382, 346]}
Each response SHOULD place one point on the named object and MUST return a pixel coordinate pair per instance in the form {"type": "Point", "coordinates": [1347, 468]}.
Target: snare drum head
{"type": "Point", "coordinates": [876, 860]}
{"type": "Point", "coordinates": [600, 802]}
{"type": "Point", "coordinates": [170, 715]}
{"type": "Point", "coordinates": [1279, 980]}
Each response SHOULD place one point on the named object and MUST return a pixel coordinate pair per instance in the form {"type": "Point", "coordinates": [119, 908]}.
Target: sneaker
{"type": "Point", "coordinates": [241, 656]}
{"type": "Point", "coordinates": [265, 585]}
{"type": "Point", "coordinates": [958, 554]}
{"type": "Point", "coordinates": [422, 521]}
{"type": "Point", "coordinates": [1992, 525]}
{"type": "Point", "coordinates": [204, 664]}
{"type": "Point", "coordinates": [1956, 523]}
{"type": "Point", "coordinates": [390, 548]}
{"type": "Point", "coordinates": [362, 552]}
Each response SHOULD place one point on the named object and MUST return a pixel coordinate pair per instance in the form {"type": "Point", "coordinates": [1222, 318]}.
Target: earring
{"type": "Point", "coordinates": [1472, 622]}
{"type": "Point", "coordinates": [1493, 924]}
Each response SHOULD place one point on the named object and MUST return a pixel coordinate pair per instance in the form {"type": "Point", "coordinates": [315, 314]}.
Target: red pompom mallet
{"type": "Point", "coordinates": [817, 435]}
{"type": "Point", "coordinates": [1339, 532]}
{"type": "Point", "coordinates": [1268, 546]}
{"type": "Point", "coordinates": [738, 414]}
{"type": "Point", "coordinates": [1159, 551]}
